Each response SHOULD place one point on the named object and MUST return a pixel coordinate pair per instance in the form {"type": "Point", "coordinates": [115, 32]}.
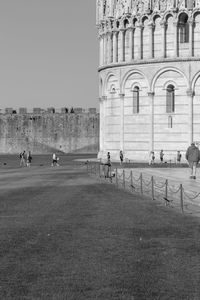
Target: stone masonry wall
{"type": "Point", "coordinates": [48, 132]}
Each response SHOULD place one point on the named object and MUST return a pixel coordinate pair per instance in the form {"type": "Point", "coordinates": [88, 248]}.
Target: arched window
{"type": "Point", "coordinates": [136, 100]}
{"type": "Point", "coordinates": [170, 122]}
{"type": "Point", "coordinates": [183, 28]}
{"type": "Point", "coordinates": [170, 99]}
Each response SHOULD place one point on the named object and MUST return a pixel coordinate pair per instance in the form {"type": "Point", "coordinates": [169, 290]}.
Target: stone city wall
{"type": "Point", "coordinates": [68, 130]}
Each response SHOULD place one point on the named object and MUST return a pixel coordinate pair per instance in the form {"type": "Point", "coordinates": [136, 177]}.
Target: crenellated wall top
{"type": "Point", "coordinates": [116, 9]}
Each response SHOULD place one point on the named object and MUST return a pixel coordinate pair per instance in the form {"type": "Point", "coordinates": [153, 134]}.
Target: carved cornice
{"type": "Point", "coordinates": [148, 62]}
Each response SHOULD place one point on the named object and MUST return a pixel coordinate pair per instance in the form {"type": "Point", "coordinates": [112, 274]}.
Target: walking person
{"type": "Point", "coordinates": [161, 156]}
{"type": "Point", "coordinates": [54, 160]}
{"type": "Point", "coordinates": [151, 158]}
{"type": "Point", "coordinates": [28, 159]}
{"type": "Point", "coordinates": [121, 157]}
{"type": "Point", "coordinates": [193, 156]}
{"type": "Point", "coordinates": [108, 164]}
{"type": "Point", "coordinates": [22, 159]}
{"type": "Point", "coordinates": [178, 157]}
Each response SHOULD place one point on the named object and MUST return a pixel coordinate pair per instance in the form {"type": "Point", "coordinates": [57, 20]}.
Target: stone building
{"type": "Point", "coordinates": [149, 76]}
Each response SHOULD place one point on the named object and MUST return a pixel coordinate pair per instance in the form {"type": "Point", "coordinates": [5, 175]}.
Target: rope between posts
{"type": "Point", "coordinates": [176, 191]}
{"type": "Point", "coordinates": [159, 186]}
{"type": "Point", "coordinates": [146, 182]}
{"type": "Point", "coordinates": [137, 179]}
{"type": "Point", "coordinates": [189, 197]}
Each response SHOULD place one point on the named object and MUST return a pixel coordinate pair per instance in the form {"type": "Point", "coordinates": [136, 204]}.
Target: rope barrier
{"type": "Point", "coordinates": [172, 191]}
{"type": "Point", "coordinates": [189, 197]}
{"type": "Point", "coordinates": [140, 185]}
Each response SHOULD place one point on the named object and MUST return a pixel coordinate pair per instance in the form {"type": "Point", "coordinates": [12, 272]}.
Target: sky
{"type": "Point", "coordinates": [48, 54]}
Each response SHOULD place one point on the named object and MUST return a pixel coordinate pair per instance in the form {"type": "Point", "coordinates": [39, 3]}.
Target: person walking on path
{"type": "Point", "coordinates": [22, 159]}
{"type": "Point", "coordinates": [121, 157]}
{"type": "Point", "coordinates": [193, 156]}
{"type": "Point", "coordinates": [28, 159]}
{"type": "Point", "coordinates": [151, 158]}
{"type": "Point", "coordinates": [108, 164]}
{"type": "Point", "coordinates": [178, 157]}
{"type": "Point", "coordinates": [161, 156]}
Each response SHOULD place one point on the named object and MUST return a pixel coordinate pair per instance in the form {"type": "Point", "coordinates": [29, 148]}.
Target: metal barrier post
{"type": "Point", "coordinates": [166, 189]}
{"type": "Point", "coordinates": [141, 188]}
{"type": "Point", "coordinates": [124, 179]}
{"type": "Point", "coordinates": [181, 197]}
{"type": "Point", "coordinates": [99, 169]}
{"type": "Point", "coordinates": [131, 178]}
{"type": "Point", "coordinates": [116, 178]}
{"type": "Point", "coordinates": [152, 187]}
{"type": "Point", "coordinates": [87, 167]}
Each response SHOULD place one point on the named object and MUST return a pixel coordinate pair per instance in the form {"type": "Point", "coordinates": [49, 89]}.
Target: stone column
{"type": "Point", "coordinates": [191, 37]}
{"type": "Point", "coordinates": [105, 48]}
{"type": "Point", "coordinates": [175, 39]}
{"type": "Point", "coordinates": [100, 50]}
{"type": "Point", "coordinates": [130, 46]}
{"type": "Point", "coordinates": [163, 49]}
{"type": "Point", "coordinates": [121, 121]}
{"type": "Point", "coordinates": [151, 41]}
{"type": "Point", "coordinates": [109, 48]}
{"type": "Point", "coordinates": [140, 42]}
{"type": "Point", "coordinates": [151, 112]}
{"type": "Point", "coordinates": [115, 51]}
{"type": "Point", "coordinates": [101, 129]}
{"type": "Point", "coordinates": [190, 95]}
{"type": "Point", "coordinates": [121, 46]}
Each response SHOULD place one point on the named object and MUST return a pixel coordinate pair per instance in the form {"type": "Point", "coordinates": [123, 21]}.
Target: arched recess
{"type": "Point", "coordinates": [157, 34]}
{"type": "Point", "coordinates": [136, 40]}
{"type": "Point", "coordinates": [183, 34]}
{"type": "Point", "coordinates": [196, 107]}
{"type": "Point", "coordinates": [171, 110]}
{"type": "Point", "coordinates": [145, 38]}
{"type": "Point", "coordinates": [196, 34]}
{"type": "Point", "coordinates": [111, 113]}
{"type": "Point", "coordinates": [136, 124]}
{"type": "Point", "coordinates": [169, 36]}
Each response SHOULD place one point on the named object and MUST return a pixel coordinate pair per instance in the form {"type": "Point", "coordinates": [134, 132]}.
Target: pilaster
{"type": "Point", "coordinates": [190, 95]}
{"type": "Point", "coordinates": [151, 121]}
{"type": "Point", "coordinates": [121, 121]}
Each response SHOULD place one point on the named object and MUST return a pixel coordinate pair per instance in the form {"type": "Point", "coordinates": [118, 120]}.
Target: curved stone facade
{"type": "Point", "coordinates": [149, 76]}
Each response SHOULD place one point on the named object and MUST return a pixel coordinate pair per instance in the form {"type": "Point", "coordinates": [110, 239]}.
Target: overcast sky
{"type": "Point", "coordinates": [48, 53]}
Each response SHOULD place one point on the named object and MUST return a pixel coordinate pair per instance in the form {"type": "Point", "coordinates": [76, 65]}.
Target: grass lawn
{"type": "Point", "coordinates": [64, 235]}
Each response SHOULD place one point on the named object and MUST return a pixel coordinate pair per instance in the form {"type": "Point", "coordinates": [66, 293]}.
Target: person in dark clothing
{"type": "Point", "coordinates": [193, 156]}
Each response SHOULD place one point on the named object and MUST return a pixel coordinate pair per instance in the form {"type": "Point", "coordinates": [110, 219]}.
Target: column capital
{"type": "Point", "coordinates": [115, 31]}
{"type": "Point", "coordinates": [121, 95]}
{"type": "Point", "coordinates": [190, 93]}
{"type": "Point", "coordinates": [130, 28]}
{"type": "Point", "coordinates": [122, 29]}
{"type": "Point", "coordinates": [175, 23]}
{"type": "Point", "coordinates": [163, 24]}
{"type": "Point", "coordinates": [150, 94]}
{"type": "Point", "coordinates": [150, 25]}
{"type": "Point", "coordinates": [191, 22]}
{"type": "Point", "coordinates": [103, 98]}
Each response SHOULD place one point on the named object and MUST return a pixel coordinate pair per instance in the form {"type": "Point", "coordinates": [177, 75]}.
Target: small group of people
{"type": "Point", "coordinates": [152, 157]}
{"type": "Point", "coordinates": [25, 159]}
